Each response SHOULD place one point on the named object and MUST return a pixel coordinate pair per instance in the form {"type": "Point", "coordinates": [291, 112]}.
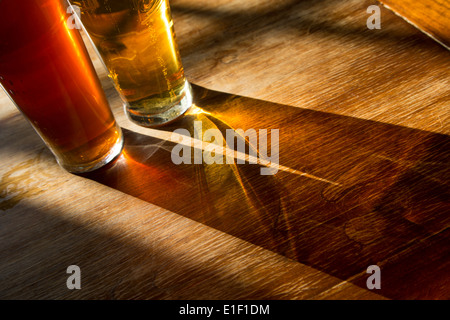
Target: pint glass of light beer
{"type": "Point", "coordinates": [136, 41]}
{"type": "Point", "coordinates": [46, 70]}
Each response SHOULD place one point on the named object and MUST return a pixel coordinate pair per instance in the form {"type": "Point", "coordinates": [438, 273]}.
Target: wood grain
{"type": "Point", "coordinates": [429, 16]}
{"type": "Point", "coordinates": [367, 109]}
{"type": "Point", "coordinates": [358, 192]}
{"type": "Point", "coordinates": [318, 55]}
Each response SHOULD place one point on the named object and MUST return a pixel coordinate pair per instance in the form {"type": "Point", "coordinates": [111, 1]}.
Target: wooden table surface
{"type": "Point", "coordinates": [363, 141]}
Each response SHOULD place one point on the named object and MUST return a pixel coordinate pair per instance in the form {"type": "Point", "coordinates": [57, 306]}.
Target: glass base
{"type": "Point", "coordinates": [115, 151]}
{"type": "Point", "coordinates": [172, 112]}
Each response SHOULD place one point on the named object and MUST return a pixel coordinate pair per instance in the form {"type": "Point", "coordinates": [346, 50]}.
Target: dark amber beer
{"type": "Point", "coordinates": [137, 43]}
{"type": "Point", "coordinates": [47, 72]}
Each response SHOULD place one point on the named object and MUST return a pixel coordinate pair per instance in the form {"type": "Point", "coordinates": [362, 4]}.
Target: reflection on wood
{"type": "Point", "coordinates": [390, 207]}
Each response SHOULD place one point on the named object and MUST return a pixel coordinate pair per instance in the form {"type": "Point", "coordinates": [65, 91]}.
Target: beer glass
{"type": "Point", "coordinates": [136, 41]}
{"type": "Point", "coordinates": [46, 70]}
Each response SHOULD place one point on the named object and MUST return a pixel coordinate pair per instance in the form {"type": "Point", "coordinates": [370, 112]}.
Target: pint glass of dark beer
{"type": "Point", "coordinates": [46, 70]}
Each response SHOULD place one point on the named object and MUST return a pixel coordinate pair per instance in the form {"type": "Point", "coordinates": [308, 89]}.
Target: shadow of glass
{"type": "Point", "coordinates": [349, 193]}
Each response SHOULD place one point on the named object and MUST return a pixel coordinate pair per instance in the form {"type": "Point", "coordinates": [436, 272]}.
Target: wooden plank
{"type": "Point", "coordinates": [429, 16]}
{"type": "Point", "coordinates": [318, 55]}
{"type": "Point", "coordinates": [126, 248]}
{"type": "Point", "coordinates": [351, 193]}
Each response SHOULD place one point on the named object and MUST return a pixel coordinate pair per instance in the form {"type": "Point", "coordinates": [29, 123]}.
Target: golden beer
{"type": "Point", "coordinates": [136, 41]}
